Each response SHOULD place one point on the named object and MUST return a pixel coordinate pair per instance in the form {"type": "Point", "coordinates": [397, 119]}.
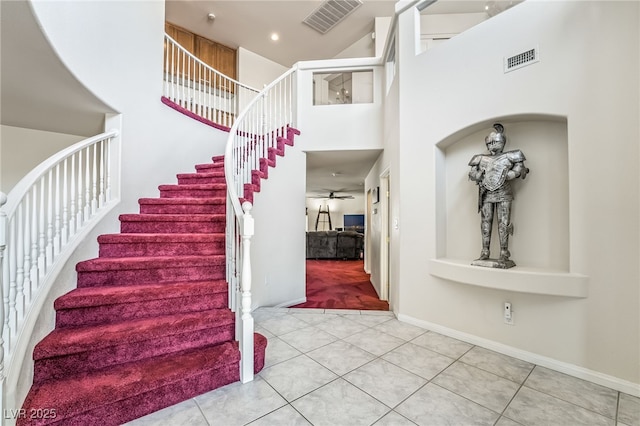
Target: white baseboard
{"type": "Point", "coordinates": [543, 361]}
{"type": "Point", "coordinates": [291, 303]}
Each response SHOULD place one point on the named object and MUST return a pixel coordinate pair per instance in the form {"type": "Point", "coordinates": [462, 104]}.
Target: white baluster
{"type": "Point", "coordinates": [183, 80]}
{"type": "Point", "coordinates": [94, 181]}
{"type": "Point", "coordinates": [72, 193]}
{"type": "Point", "coordinates": [87, 184]}
{"type": "Point", "coordinates": [175, 69]}
{"type": "Point", "coordinates": [65, 203]}
{"type": "Point", "coordinates": [3, 245]}
{"type": "Point", "coordinates": [216, 89]}
{"type": "Point", "coordinates": [4, 232]}
{"type": "Point", "coordinates": [101, 199]}
{"type": "Point", "coordinates": [49, 201]}
{"type": "Point", "coordinates": [12, 313]}
{"type": "Point", "coordinates": [166, 66]}
{"type": "Point", "coordinates": [33, 220]}
{"type": "Point", "coordinates": [108, 162]}
{"type": "Point", "coordinates": [79, 202]}
{"type": "Point", "coordinates": [42, 255]}
{"type": "Point", "coordinates": [19, 261]}
{"type": "Point", "coordinates": [247, 350]}
{"type": "Point", "coordinates": [56, 234]}
{"type": "Point", "coordinates": [210, 94]}
{"type": "Point", "coordinates": [28, 273]}
{"type": "Point", "coordinates": [201, 110]}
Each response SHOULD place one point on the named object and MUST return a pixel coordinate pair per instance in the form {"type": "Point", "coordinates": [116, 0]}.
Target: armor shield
{"type": "Point", "coordinates": [495, 171]}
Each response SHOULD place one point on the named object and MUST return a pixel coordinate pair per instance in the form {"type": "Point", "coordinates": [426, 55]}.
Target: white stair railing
{"type": "Point", "coordinates": [200, 89]}
{"type": "Point", "coordinates": [39, 220]}
{"type": "Point", "coordinates": [268, 117]}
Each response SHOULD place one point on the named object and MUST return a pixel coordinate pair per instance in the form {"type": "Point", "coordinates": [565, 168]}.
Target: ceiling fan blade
{"type": "Point", "coordinates": [332, 196]}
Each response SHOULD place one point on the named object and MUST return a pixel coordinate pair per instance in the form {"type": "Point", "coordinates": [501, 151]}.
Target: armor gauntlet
{"type": "Point", "coordinates": [476, 174]}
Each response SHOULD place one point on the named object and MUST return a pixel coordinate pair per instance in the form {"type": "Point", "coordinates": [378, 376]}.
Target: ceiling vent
{"type": "Point", "coordinates": [520, 60]}
{"type": "Point", "coordinates": [330, 13]}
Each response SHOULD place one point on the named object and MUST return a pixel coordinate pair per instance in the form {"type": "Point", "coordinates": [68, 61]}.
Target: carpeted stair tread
{"type": "Point", "coordinates": [137, 217]}
{"type": "Point", "coordinates": [193, 190]}
{"type": "Point", "coordinates": [193, 186]}
{"type": "Point", "coordinates": [89, 391]}
{"type": "Point", "coordinates": [218, 174]}
{"type": "Point", "coordinates": [183, 205]}
{"type": "Point", "coordinates": [209, 167]}
{"type": "Point", "coordinates": [98, 296]}
{"type": "Point", "coordinates": [200, 178]}
{"type": "Point", "coordinates": [151, 244]}
{"type": "Point", "coordinates": [71, 340]}
{"type": "Point", "coordinates": [184, 200]}
{"type": "Point", "coordinates": [145, 262]}
{"type": "Point", "coordinates": [111, 304]}
{"type": "Point", "coordinates": [159, 238]}
{"type": "Point", "coordinates": [179, 223]}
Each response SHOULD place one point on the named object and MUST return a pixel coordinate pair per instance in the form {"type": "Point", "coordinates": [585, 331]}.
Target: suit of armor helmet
{"type": "Point", "coordinates": [492, 173]}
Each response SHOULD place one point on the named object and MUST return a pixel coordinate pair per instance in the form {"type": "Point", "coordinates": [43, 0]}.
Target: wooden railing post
{"type": "Point", "coordinates": [246, 338]}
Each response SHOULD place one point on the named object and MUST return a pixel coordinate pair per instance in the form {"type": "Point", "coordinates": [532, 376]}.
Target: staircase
{"type": "Point", "coordinates": [148, 325]}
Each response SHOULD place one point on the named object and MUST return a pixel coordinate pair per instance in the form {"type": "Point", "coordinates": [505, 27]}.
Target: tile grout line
{"type": "Point", "coordinates": [559, 398]}
{"type": "Point", "coordinates": [514, 396]}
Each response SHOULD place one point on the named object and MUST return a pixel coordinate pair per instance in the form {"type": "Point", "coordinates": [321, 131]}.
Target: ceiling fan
{"type": "Point", "coordinates": [332, 196]}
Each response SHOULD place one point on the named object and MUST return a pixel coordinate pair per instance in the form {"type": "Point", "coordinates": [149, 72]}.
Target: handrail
{"type": "Point", "coordinates": [41, 220]}
{"type": "Point", "coordinates": [259, 129]}
{"type": "Point", "coordinates": [252, 132]}
{"type": "Point", "coordinates": [200, 89]}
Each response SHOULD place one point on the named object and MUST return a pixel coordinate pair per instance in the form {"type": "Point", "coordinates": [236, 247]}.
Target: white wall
{"type": "Point", "coordinates": [382, 26]}
{"type": "Point", "coordinates": [124, 68]}
{"type": "Point", "coordinates": [23, 149]}
{"type": "Point", "coordinates": [362, 48]}
{"type": "Point", "coordinates": [435, 29]}
{"type": "Point", "coordinates": [278, 247]}
{"type": "Point", "coordinates": [449, 24]}
{"type": "Point", "coordinates": [339, 127]}
{"type": "Point", "coordinates": [387, 164]}
{"type": "Point", "coordinates": [459, 88]}
{"type": "Point", "coordinates": [257, 71]}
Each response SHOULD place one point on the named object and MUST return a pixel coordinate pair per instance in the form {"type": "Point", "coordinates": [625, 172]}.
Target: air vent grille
{"type": "Point", "coordinates": [520, 60]}
{"type": "Point", "coordinates": [330, 13]}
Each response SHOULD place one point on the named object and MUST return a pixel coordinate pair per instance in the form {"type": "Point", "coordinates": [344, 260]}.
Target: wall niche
{"type": "Point", "coordinates": [540, 244]}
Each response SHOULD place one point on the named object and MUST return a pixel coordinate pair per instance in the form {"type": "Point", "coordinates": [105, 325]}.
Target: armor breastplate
{"type": "Point", "coordinates": [495, 170]}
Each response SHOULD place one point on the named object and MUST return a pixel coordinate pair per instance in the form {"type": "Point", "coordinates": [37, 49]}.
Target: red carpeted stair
{"type": "Point", "coordinates": [148, 325]}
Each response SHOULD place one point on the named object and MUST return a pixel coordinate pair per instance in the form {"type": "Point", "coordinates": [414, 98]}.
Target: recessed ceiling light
{"type": "Point", "coordinates": [275, 37]}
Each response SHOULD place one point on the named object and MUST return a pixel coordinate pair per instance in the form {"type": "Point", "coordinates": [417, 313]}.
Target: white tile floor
{"type": "Point", "coordinates": [338, 367]}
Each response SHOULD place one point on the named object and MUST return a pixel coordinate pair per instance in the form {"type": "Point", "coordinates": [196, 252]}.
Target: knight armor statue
{"type": "Point", "coordinates": [492, 173]}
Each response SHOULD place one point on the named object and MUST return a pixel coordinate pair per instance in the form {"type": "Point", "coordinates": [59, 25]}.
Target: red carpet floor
{"type": "Point", "coordinates": [340, 284]}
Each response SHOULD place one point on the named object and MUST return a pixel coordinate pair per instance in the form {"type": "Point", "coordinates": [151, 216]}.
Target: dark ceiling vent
{"type": "Point", "coordinates": [330, 13]}
{"type": "Point", "coordinates": [520, 60]}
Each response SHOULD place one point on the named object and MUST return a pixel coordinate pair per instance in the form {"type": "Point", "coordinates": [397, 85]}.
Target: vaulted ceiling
{"type": "Point", "coordinates": [250, 24]}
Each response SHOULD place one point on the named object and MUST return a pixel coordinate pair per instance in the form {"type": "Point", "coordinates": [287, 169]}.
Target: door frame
{"type": "Point", "coordinates": [385, 237]}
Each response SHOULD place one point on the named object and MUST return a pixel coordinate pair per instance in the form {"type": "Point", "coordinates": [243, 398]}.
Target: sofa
{"type": "Point", "coordinates": [334, 245]}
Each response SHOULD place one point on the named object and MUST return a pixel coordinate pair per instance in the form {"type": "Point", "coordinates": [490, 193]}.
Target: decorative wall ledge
{"type": "Point", "coordinates": [518, 279]}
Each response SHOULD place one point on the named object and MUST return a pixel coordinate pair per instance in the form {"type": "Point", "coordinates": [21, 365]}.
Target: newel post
{"type": "Point", "coordinates": [3, 244]}
{"type": "Point", "coordinates": [246, 335]}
